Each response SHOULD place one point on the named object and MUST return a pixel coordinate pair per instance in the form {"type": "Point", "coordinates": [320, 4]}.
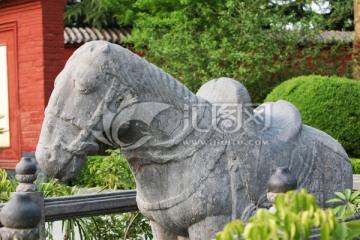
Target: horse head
{"type": "Point", "coordinates": [65, 138]}
{"type": "Point", "coordinates": [105, 92]}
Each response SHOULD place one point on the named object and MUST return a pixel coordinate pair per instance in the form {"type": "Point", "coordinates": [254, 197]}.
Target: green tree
{"type": "Point", "coordinates": [254, 41]}
{"type": "Point", "coordinates": [340, 15]}
{"type": "Point", "coordinates": [89, 13]}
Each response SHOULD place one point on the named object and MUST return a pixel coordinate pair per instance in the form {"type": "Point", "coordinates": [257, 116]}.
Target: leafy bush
{"type": "Point", "coordinates": [6, 186]}
{"type": "Point", "coordinates": [120, 226]}
{"type": "Point", "coordinates": [355, 162]}
{"type": "Point", "coordinates": [248, 40]}
{"type": "Point", "coordinates": [349, 203]}
{"type": "Point", "coordinates": [330, 104]}
{"type": "Point", "coordinates": [296, 214]}
{"type": "Point", "coordinates": [111, 172]}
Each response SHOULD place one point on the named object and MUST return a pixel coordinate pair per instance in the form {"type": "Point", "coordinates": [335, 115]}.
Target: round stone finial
{"type": "Point", "coordinates": [20, 212]}
{"type": "Point", "coordinates": [25, 175]}
{"type": "Point", "coordinates": [281, 181]}
{"type": "Point", "coordinates": [25, 166]}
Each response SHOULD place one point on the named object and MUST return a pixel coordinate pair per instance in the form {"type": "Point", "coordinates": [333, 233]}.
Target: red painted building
{"type": "Point", "coordinates": [32, 39]}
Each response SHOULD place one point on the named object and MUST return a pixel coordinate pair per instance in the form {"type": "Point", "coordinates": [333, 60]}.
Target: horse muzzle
{"type": "Point", "coordinates": [58, 163]}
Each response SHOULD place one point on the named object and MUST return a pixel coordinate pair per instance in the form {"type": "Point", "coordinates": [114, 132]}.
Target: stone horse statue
{"type": "Point", "coordinates": [200, 160]}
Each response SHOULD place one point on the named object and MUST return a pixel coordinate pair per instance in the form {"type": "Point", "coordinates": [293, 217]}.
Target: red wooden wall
{"type": "Point", "coordinates": [36, 27]}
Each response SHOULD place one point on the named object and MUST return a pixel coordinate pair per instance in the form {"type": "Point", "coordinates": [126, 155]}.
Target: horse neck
{"type": "Point", "coordinates": [151, 83]}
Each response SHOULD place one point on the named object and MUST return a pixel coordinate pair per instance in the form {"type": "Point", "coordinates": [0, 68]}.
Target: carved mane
{"type": "Point", "coordinates": [152, 82]}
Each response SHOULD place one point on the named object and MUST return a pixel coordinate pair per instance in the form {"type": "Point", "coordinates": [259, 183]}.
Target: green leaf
{"type": "Point", "coordinates": [353, 233]}
{"type": "Point", "coordinates": [334, 200]}
{"type": "Point", "coordinates": [351, 208]}
{"type": "Point", "coordinates": [340, 195]}
{"type": "Point", "coordinates": [355, 195]}
{"type": "Point", "coordinates": [325, 232]}
{"type": "Point", "coordinates": [341, 210]}
{"type": "Point", "coordinates": [340, 231]}
{"type": "Point", "coordinates": [347, 194]}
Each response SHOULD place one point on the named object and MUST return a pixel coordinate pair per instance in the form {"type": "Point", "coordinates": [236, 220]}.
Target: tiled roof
{"type": "Point", "coordinates": [336, 36]}
{"type": "Point", "coordinates": [80, 35]}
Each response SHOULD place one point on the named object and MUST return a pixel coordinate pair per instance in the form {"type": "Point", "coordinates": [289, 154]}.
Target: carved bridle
{"type": "Point", "coordinates": [79, 145]}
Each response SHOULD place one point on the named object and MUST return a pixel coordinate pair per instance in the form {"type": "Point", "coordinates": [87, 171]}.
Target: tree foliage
{"type": "Point", "coordinates": [340, 16]}
{"type": "Point", "coordinates": [253, 41]}
{"type": "Point", "coordinates": [89, 13]}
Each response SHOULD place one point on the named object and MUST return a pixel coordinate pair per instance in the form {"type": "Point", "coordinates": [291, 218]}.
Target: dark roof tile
{"type": "Point", "coordinates": [80, 35]}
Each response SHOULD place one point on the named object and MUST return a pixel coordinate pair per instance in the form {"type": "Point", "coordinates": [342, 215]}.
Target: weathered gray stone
{"type": "Point", "coordinates": [26, 175]}
{"type": "Point", "coordinates": [280, 182]}
{"type": "Point", "coordinates": [20, 218]}
{"type": "Point", "coordinates": [199, 160]}
{"type": "Point", "coordinates": [87, 205]}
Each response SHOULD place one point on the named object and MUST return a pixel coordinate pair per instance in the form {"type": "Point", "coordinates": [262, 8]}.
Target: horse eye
{"type": "Point", "coordinates": [80, 87]}
{"type": "Point", "coordinates": [85, 86]}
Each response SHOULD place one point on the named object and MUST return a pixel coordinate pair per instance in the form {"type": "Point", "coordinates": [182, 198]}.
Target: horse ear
{"type": "Point", "coordinates": [102, 46]}
{"type": "Point", "coordinates": [105, 48]}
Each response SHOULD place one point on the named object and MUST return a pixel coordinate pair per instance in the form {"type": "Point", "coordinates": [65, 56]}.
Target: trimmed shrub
{"type": "Point", "coordinates": [355, 165]}
{"type": "Point", "coordinates": [331, 104]}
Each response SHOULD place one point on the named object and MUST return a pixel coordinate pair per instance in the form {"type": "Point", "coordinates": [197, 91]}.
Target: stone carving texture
{"type": "Point", "coordinates": [20, 217]}
{"type": "Point", "coordinates": [26, 175]}
{"type": "Point", "coordinates": [199, 160]}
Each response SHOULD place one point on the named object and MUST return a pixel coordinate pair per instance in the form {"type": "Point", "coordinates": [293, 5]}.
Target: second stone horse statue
{"type": "Point", "coordinates": [200, 160]}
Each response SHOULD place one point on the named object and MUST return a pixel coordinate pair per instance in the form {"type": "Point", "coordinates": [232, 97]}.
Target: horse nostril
{"type": "Point", "coordinates": [57, 146]}
{"type": "Point", "coordinates": [47, 156]}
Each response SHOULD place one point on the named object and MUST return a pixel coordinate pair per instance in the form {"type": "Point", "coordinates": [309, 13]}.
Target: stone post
{"type": "Point", "coordinates": [280, 182]}
{"type": "Point", "coordinates": [20, 217]}
{"type": "Point", "coordinates": [24, 216]}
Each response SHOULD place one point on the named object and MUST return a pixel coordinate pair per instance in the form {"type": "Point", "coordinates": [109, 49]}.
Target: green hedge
{"type": "Point", "coordinates": [331, 104]}
{"type": "Point", "coordinates": [355, 165]}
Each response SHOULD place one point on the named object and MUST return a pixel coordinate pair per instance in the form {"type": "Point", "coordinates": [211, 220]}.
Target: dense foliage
{"type": "Point", "coordinates": [348, 203]}
{"type": "Point", "coordinates": [330, 104]}
{"type": "Point", "coordinates": [253, 41]}
{"type": "Point", "coordinates": [93, 13]}
{"type": "Point", "coordinates": [355, 165]}
{"type": "Point", "coordinates": [111, 172]}
{"type": "Point", "coordinates": [88, 13]}
{"type": "Point", "coordinates": [296, 214]}
{"type": "Point", "coordinates": [340, 15]}
{"type": "Point", "coordinates": [6, 186]}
